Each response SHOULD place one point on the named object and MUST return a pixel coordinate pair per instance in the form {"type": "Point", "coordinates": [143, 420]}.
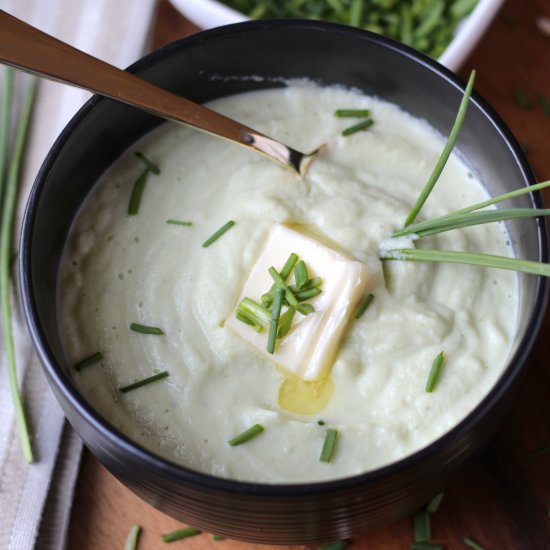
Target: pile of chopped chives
{"type": "Point", "coordinates": [423, 24]}
{"type": "Point", "coordinates": [293, 297]}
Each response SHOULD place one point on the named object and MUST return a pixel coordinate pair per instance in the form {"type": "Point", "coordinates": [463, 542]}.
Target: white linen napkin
{"type": "Point", "coordinates": [35, 499]}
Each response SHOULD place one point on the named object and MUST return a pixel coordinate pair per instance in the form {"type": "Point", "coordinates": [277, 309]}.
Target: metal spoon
{"type": "Point", "coordinates": [28, 48]}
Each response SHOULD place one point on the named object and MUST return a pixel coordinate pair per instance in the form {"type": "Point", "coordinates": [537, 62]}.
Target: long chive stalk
{"type": "Point", "coordinates": [471, 258]}
{"type": "Point", "coordinates": [446, 153]}
{"type": "Point", "coordinates": [497, 199]}
{"type": "Point", "coordinates": [5, 128]}
{"type": "Point", "coordinates": [459, 221]}
{"type": "Point", "coordinates": [8, 213]}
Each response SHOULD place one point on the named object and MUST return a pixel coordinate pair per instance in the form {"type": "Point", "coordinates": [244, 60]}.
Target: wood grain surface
{"type": "Point", "coordinates": [502, 500]}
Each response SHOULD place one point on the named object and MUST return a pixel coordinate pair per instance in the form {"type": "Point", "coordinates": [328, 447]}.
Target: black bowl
{"type": "Point", "coordinates": [217, 63]}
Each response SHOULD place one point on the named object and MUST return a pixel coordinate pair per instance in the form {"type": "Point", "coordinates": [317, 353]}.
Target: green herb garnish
{"type": "Point", "coordinates": [422, 528]}
{"type": "Point", "coordinates": [468, 219]}
{"type": "Point", "coordinates": [365, 303]}
{"type": "Point", "coordinates": [179, 222]}
{"type": "Point", "coordinates": [144, 382]}
{"type": "Point", "coordinates": [359, 127]}
{"type": "Point", "coordinates": [184, 533]}
{"type": "Point", "coordinates": [472, 543]}
{"type": "Point", "coordinates": [8, 197]}
{"type": "Point", "coordinates": [133, 536]}
{"type": "Point", "coordinates": [301, 275]}
{"type": "Point", "coordinates": [352, 113]}
{"type": "Point", "coordinates": [247, 435]}
{"type": "Point", "coordinates": [94, 358]}
{"type": "Point", "coordinates": [445, 154]}
{"type": "Point", "coordinates": [435, 503]}
{"type": "Point", "coordinates": [218, 537]}
{"type": "Point", "coordinates": [274, 321]}
{"type": "Point", "coordinates": [150, 165]}
{"type": "Point", "coordinates": [328, 445]}
{"type": "Point", "coordinates": [137, 193]}
{"type": "Point", "coordinates": [225, 227]}
{"type": "Point", "coordinates": [522, 99]}
{"type": "Point", "coordinates": [144, 329]}
{"type": "Point", "coordinates": [470, 258]}
{"type": "Point", "coordinates": [433, 377]}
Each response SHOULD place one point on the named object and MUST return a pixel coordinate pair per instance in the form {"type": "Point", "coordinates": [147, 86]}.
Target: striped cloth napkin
{"type": "Point", "coordinates": [35, 499]}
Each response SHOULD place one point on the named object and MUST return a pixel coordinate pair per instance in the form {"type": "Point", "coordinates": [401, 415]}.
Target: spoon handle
{"type": "Point", "coordinates": [28, 48]}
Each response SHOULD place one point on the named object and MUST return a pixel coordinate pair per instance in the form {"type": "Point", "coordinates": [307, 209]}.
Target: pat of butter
{"type": "Point", "coordinates": [310, 347]}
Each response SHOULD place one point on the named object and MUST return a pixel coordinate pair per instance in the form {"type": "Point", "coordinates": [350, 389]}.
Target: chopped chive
{"type": "Point", "coordinates": [178, 222]}
{"type": "Point", "coordinates": [94, 358]}
{"type": "Point", "coordinates": [359, 127]}
{"type": "Point", "coordinates": [315, 282]}
{"type": "Point", "coordinates": [545, 104]}
{"type": "Point", "coordinates": [274, 321]}
{"type": "Point", "coordinates": [184, 533]}
{"type": "Point", "coordinates": [328, 445]}
{"type": "Point", "coordinates": [433, 377]}
{"type": "Point", "coordinates": [218, 537]}
{"type": "Point", "coordinates": [247, 435]}
{"type": "Point", "coordinates": [284, 273]}
{"type": "Point", "coordinates": [248, 321]}
{"type": "Point", "coordinates": [151, 166]}
{"type": "Point", "coordinates": [472, 543]}
{"type": "Point", "coordinates": [445, 154]}
{"type": "Point", "coordinates": [365, 303]}
{"type": "Point", "coordinates": [308, 294]}
{"type": "Point", "coordinates": [348, 113]}
{"type": "Point", "coordinates": [435, 503]}
{"type": "Point", "coordinates": [144, 382]}
{"type": "Point", "coordinates": [335, 545]}
{"type": "Point", "coordinates": [133, 536]}
{"type": "Point", "coordinates": [422, 529]}
{"type": "Point", "coordinates": [289, 266]}
{"type": "Point", "coordinates": [470, 258]}
{"type": "Point", "coordinates": [258, 313]}
{"type": "Point", "coordinates": [301, 275]}
{"type": "Point", "coordinates": [9, 201]}
{"type": "Point", "coordinates": [305, 309]}
{"type": "Point", "coordinates": [137, 193]}
{"type": "Point", "coordinates": [426, 546]}
{"type": "Point", "coordinates": [225, 227]}
{"type": "Point", "coordinates": [522, 99]}
{"type": "Point", "coordinates": [144, 329]}
{"type": "Point", "coordinates": [285, 322]}
{"type": "Point", "coordinates": [280, 283]}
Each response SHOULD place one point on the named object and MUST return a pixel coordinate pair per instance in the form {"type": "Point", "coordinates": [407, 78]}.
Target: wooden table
{"type": "Point", "coordinates": [503, 499]}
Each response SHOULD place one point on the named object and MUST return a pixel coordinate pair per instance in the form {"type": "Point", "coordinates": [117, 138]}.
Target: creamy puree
{"type": "Point", "coordinates": [120, 269]}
